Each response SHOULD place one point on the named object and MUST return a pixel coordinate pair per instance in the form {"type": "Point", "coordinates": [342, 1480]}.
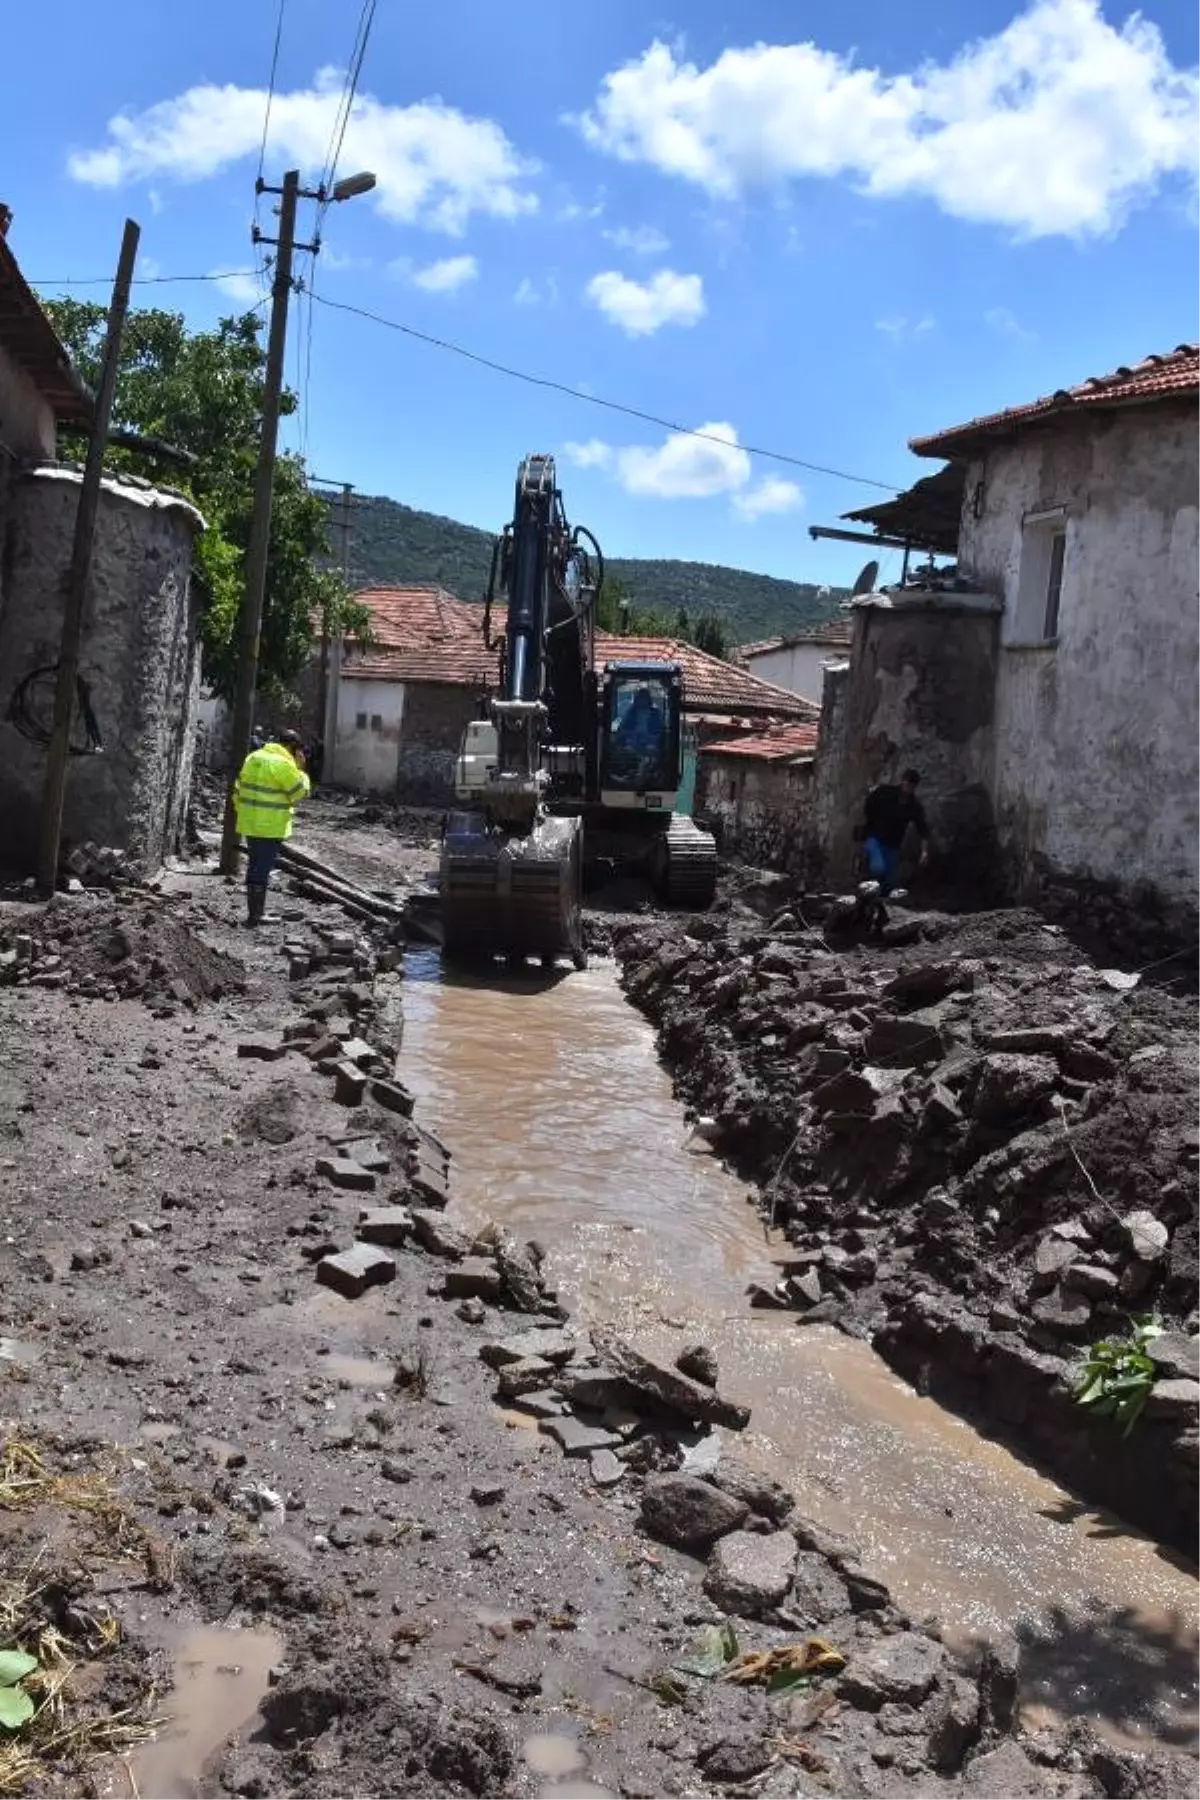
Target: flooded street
{"type": "Point", "coordinates": [562, 1125]}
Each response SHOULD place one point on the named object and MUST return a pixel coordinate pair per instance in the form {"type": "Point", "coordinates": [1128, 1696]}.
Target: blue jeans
{"type": "Point", "coordinates": [263, 855]}
{"type": "Point", "coordinates": [882, 860]}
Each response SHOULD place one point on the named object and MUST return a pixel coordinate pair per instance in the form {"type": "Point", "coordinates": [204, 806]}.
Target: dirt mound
{"type": "Point", "coordinates": [115, 949]}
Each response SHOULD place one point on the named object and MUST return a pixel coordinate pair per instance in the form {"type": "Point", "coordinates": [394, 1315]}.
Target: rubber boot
{"type": "Point", "coordinates": [256, 903]}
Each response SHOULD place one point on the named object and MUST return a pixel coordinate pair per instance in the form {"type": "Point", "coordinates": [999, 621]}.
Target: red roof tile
{"type": "Point", "coordinates": [1172, 376]}
{"type": "Point", "coordinates": [776, 744]}
{"type": "Point", "coordinates": [425, 634]}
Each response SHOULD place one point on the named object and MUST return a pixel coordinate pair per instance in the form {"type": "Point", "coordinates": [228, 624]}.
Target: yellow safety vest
{"type": "Point", "coordinates": [267, 792]}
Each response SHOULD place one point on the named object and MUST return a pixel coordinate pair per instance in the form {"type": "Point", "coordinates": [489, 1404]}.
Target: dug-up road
{"type": "Point", "coordinates": [262, 1538]}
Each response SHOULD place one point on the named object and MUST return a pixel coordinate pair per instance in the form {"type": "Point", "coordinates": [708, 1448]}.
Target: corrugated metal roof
{"type": "Point", "coordinates": [32, 342]}
{"type": "Point", "coordinates": [1174, 375]}
{"type": "Point", "coordinates": [425, 634]}
{"type": "Point", "coordinates": [778, 743]}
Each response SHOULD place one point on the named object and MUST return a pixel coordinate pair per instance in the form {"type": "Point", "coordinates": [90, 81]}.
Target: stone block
{"type": "Point", "coordinates": [476, 1277]}
{"type": "Point", "coordinates": [351, 1272]}
{"type": "Point", "coordinates": [349, 1084]}
{"type": "Point", "coordinates": [385, 1225]}
{"type": "Point", "coordinates": [393, 1097]}
{"type": "Point", "coordinates": [344, 1172]}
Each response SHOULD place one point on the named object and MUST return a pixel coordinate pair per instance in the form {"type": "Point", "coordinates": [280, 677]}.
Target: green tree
{"type": "Point", "coordinates": [202, 392]}
{"type": "Point", "coordinates": [711, 634]}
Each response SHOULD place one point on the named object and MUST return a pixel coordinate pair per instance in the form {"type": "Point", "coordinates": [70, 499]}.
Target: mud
{"type": "Point", "coordinates": [447, 1590]}
{"type": "Point", "coordinates": [947, 1129]}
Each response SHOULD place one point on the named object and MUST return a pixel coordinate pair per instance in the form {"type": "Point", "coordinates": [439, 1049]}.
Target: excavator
{"type": "Point", "coordinates": [572, 764]}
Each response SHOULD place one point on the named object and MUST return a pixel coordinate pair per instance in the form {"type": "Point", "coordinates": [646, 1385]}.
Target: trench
{"type": "Point", "coordinates": [563, 1126]}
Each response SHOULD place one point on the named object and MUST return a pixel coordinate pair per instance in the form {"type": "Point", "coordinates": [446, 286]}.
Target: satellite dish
{"type": "Point", "coordinates": [866, 579]}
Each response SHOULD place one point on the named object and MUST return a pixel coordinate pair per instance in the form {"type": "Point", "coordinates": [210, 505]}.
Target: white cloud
{"type": "Point", "coordinates": [528, 293]}
{"type": "Point", "coordinates": [688, 467]}
{"type": "Point", "coordinates": [239, 286]}
{"type": "Point", "coordinates": [1006, 324]}
{"type": "Point", "coordinates": [772, 495]}
{"type": "Point", "coordinates": [443, 277]}
{"type": "Point", "coordinates": [1057, 124]}
{"type": "Point", "coordinates": [436, 167]}
{"type": "Point", "coordinates": [642, 307]}
{"type": "Point", "coordinates": [898, 327]}
{"type": "Point", "coordinates": [639, 240]}
{"type": "Point", "coordinates": [594, 454]}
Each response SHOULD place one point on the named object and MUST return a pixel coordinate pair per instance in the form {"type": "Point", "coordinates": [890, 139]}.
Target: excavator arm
{"type": "Point", "coordinates": [511, 875]}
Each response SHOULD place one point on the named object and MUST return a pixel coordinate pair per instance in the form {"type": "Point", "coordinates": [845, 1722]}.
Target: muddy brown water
{"type": "Point", "coordinates": [563, 1126]}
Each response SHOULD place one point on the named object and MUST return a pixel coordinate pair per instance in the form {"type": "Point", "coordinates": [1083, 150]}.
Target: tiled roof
{"type": "Point", "coordinates": [834, 633]}
{"type": "Point", "coordinates": [425, 634]}
{"type": "Point", "coordinates": [709, 685]}
{"type": "Point", "coordinates": [1174, 375]}
{"type": "Point", "coordinates": [29, 338]}
{"type": "Point", "coordinates": [777, 743]}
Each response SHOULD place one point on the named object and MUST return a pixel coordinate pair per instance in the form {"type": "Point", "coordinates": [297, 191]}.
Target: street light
{"type": "Point", "coordinates": [353, 185]}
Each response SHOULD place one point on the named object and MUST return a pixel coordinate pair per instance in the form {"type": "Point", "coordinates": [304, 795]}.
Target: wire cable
{"type": "Point", "coordinates": [46, 281]}
{"type": "Point", "coordinates": [632, 412]}
{"type": "Point", "coordinates": [261, 259]}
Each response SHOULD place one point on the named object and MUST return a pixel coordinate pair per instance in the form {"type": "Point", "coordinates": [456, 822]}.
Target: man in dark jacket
{"type": "Point", "coordinates": [889, 813]}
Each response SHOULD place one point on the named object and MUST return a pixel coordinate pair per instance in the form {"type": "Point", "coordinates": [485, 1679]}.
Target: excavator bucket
{"type": "Point", "coordinates": [512, 896]}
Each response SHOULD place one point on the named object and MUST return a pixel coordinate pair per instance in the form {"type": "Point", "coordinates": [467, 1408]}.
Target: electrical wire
{"type": "Point", "coordinates": [632, 412]}
{"type": "Point", "coordinates": [262, 261]}
{"type": "Point", "coordinates": [68, 281]}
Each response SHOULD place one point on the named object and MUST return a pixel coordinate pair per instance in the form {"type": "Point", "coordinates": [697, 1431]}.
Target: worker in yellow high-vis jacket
{"type": "Point", "coordinates": [270, 786]}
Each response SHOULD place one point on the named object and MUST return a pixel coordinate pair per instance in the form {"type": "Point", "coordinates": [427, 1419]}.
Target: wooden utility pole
{"type": "Point", "coordinates": [250, 622]}
{"type": "Point", "coordinates": [55, 788]}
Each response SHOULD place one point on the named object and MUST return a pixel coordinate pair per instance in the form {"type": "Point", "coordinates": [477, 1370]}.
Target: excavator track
{"type": "Point", "coordinates": [512, 896]}
{"type": "Point", "coordinates": [689, 865]}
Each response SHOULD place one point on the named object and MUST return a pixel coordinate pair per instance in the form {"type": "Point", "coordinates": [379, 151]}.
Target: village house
{"type": "Point", "coordinates": [797, 660]}
{"type": "Point", "coordinates": [396, 710]}
{"type": "Point", "coordinates": [130, 773]}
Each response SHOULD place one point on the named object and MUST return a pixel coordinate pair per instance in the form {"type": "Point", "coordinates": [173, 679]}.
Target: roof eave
{"type": "Point", "coordinates": [964, 441]}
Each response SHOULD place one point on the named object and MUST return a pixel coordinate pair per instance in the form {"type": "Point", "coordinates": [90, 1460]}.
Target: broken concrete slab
{"type": "Point", "coordinates": [393, 1096]}
{"type": "Point", "coordinates": [666, 1388]}
{"type": "Point", "coordinates": [349, 1084]}
{"type": "Point", "coordinates": [356, 1050]}
{"type": "Point", "coordinates": [344, 1172]}
{"type": "Point", "coordinates": [553, 1346]}
{"type": "Point", "coordinates": [475, 1277]}
{"type": "Point", "coordinates": [351, 1272]}
{"type": "Point", "coordinates": [261, 1050]}
{"type": "Point", "coordinates": [899, 1669]}
{"type": "Point", "coordinates": [749, 1574]}
{"type": "Point", "coordinates": [434, 1235]}
{"type": "Point", "coordinates": [577, 1439]}
{"type": "Point", "coordinates": [391, 1225]}
{"type": "Point", "coordinates": [525, 1377]}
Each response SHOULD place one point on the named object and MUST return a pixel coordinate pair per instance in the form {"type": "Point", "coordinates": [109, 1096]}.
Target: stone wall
{"type": "Point", "coordinates": [918, 693]}
{"type": "Point", "coordinates": [1096, 769]}
{"type": "Point", "coordinates": [140, 659]}
{"type": "Point", "coordinates": [762, 811]}
{"type": "Point", "coordinates": [436, 715]}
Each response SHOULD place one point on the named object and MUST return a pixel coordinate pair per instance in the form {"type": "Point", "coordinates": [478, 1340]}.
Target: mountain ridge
{"type": "Point", "coordinates": [391, 544]}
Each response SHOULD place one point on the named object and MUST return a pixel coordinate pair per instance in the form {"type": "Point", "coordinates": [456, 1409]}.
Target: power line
{"type": "Point", "coordinates": [138, 280]}
{"type": "Point", "coordinates": [261, 263]}
{"type": "Point", "coordinates": [632, 412]}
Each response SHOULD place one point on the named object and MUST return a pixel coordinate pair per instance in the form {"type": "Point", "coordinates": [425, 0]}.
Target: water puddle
{"type": "Point", "coordinates": [553, 1754]}
{"type": "Point", "coordinates": [563, 1126]}
{"type": "Point", "coordinates": [220, 1677]}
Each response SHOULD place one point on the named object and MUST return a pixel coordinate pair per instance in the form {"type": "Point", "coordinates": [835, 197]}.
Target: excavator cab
{"type": "Point", "coordinates": [640, 736]}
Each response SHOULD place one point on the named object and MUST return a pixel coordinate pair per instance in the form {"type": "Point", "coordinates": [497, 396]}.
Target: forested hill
{"type": "Point", "coordinates": [391, 544]}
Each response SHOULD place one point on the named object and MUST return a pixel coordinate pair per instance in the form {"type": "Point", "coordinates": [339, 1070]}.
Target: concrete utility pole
{"type": "Point", "coordinates": [250, 619]}
{"type": "Point", "coordinates": [54, 790]}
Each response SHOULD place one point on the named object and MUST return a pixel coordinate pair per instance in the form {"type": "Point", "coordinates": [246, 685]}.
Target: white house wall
{"type": "Point", "coordinates": [799, 667]}
{"type": "Point", "coordinates": [1096, 734]}
{"type": "Point", "coordinates": [366, 754]}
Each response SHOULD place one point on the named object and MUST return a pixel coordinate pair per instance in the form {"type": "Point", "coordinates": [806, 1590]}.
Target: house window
{"type": "Point", "coordinates": [376, 721]}
{"type": "Point", "coordinates": [360, 722]}
{"type": "Point", "coordinates": [1034, 618]}
{"type": "Point", "coordinates": [1058, 549]}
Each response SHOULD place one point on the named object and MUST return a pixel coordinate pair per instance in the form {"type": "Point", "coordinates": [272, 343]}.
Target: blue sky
{"type": "Point", "coordinates": [812, 227]}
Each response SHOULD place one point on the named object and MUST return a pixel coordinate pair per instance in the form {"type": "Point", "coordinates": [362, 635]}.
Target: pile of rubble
{"type": "Point", "coordinates": [122, 947]}
{"type": "Point", "coordinates": [983, 1148]}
